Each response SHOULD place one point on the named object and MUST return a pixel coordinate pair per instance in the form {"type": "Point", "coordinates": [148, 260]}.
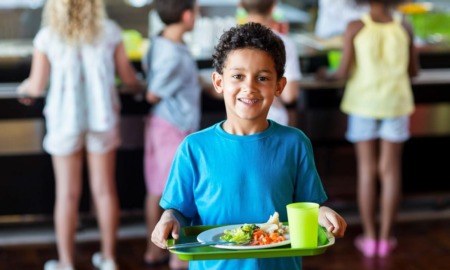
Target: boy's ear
{"type": "Point", "coordinates": [280, 86]}
{"type": "Point", "coordinates": [217, 81]}
{"type": "Point", "coordinates": [187, 15]}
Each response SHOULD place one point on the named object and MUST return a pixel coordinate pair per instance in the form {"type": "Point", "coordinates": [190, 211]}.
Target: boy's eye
{"type": "Point", "coordinates": [263, 79]}
{"type": "Point", "coordinates": [237, 76]}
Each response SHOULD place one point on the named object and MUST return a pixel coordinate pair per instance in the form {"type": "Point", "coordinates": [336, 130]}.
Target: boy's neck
{"type": "Point", "coordinates": [174, 33]}
{"type": "Point", "coordinates": [245, 127]}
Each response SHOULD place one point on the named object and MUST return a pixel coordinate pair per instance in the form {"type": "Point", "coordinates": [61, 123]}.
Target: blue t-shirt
{"type": "Point", "coordinates": [218, 178]}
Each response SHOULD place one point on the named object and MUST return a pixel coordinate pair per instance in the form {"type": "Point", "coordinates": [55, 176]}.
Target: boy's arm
{"type": "Point", "coordinates": [170, 223]}
{"type": "Point", "coordinates": [152, 98]}
{"type": "Point", "coordinates": [332, 221]}
{"type": "Point", "coordinates": [125, 70]}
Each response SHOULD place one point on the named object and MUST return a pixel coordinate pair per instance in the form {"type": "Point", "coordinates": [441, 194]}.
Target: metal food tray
{"type": "Point", "coordinates": [189, 234]}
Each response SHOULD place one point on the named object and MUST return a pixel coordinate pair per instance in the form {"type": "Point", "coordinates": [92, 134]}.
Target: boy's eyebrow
{"type": "Point", "coordinates": [241, 68]}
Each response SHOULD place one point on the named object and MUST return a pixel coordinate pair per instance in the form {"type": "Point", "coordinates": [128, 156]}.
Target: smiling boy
{"type": "Point", "coordinates": [246, 167]}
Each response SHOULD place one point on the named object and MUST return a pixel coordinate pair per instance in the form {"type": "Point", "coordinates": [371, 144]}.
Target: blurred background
{"type": "Point", "coordinates": [26, 177]}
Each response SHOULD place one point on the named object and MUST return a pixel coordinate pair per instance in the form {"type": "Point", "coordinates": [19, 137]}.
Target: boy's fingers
{"type": "Point", "coordinates": [175, 231]}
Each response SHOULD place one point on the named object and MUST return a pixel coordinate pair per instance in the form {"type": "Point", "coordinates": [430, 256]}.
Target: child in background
{"type": "Point", "coordinates": [175, 93]}
{"type": "Point", "coordinates": [246, 167]}
{"type": "Point", "coordinates": [378, 58]}
{"type": "Point", "coordinates": [81, 112]}
{"type": "Point", "coordinates": [260, 11]}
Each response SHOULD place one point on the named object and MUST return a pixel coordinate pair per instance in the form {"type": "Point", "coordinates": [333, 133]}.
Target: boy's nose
{"type": "Point", "coordinates": [248, 85]}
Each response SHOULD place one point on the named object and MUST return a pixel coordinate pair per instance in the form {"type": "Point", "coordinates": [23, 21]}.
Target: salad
{"type": "Point", "coordinates": [239, 235]}
{"type": "Point", "coordinates": [268, 233]}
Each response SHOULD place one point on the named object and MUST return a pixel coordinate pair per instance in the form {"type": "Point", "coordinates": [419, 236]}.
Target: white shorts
{"type": "Point", "coordinates": [361, 128]}
{"type": "Point", "coordinates": [95, 142]}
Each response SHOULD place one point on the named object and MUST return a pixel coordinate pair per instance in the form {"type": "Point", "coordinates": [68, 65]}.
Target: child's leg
{"type": "Point", "coordinates": [68, 178]}
{"type": "Point", "coordinates": [390, 177]}
{"type": "Point", "coordinates": [161, 143]}
{"type": "Point", "coordinates": [104, 192]}
{"type": "Point", "coordinates": [366, 153]}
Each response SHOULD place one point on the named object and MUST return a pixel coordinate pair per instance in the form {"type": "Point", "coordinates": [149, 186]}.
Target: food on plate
{"type": "Point", "coordinates": [239, 235]}
{"type": "Point", "coordinates": [274, 225]}
{"type": "Point", "coordinates": [272, 231]}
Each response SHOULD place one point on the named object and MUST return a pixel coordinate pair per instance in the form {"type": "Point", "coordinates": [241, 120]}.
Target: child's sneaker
{"type": "Point", "coordinates": [54, 265]}
{"type": "Point", "coordinates": [102, 264]}
{"type": "Point", "coordinates": [385, 247]}
{"type": "Point", "coordinates": [368, 247]}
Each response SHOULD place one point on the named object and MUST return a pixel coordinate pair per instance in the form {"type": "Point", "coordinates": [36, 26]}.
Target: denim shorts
{"type": "Point", "coordinates": [360, 128]}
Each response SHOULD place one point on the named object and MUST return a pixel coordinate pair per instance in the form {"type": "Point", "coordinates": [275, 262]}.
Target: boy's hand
{"type": "Point", "coordinates": [332, 221]}
{"type": "Point", "coordinates": [166, 225]}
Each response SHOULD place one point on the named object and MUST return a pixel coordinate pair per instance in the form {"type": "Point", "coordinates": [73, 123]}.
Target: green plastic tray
{"type": "Point", "coordinates": [189, 234]}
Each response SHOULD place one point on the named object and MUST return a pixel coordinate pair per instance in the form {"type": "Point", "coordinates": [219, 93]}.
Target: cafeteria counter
{"type": "Point", "coordinates": [27, 186]}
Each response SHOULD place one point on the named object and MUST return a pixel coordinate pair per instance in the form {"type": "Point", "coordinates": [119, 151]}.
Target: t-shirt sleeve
{"type": "Point", "coordinates": [114, 32]}
{"type": "Point", "coordinates": [178, 193]}
{"type": "Point", "coordinates": [42, 39]}
{"type": "Point", "coordinates": [309, 185]}
{"type": "Point", "coordinates": [164, 81]}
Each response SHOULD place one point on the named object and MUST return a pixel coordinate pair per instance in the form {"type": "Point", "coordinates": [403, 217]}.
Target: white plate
{"type": "Point", "coordinates": [216, 233]}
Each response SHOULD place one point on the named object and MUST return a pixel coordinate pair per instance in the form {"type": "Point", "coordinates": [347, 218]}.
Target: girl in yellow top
{"type": "Point", "coordinates": [378, 60]}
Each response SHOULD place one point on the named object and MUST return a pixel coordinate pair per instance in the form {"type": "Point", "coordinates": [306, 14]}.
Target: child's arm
{"type": "Point", "coordinates": [152, 98]}
{"type": "Point", "coordinates": [413, 67]}
{"type": "Point", "coordinates": [125, 70]}
{"type": "Point", "coordinates": [332, 221]}
{"type": "Point", "coordinates": [170, 223]}
{"type": "Point", "coordinates": [35, 85]}
{"type": "Point", "coordinates": [348, 54]}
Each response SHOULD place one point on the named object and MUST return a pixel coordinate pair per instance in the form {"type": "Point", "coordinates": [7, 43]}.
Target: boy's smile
{"type": "Point", "coordinates": [249, 84]}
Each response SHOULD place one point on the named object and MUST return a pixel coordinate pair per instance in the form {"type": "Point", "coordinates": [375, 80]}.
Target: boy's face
{"type": "Point", "coordinates": [248, 84]}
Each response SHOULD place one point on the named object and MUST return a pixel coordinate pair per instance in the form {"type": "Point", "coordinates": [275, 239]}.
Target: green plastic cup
{"type": "Point", "coordinates": [303, 219]}
{"type": "Point", "coordinates": [334, 59]}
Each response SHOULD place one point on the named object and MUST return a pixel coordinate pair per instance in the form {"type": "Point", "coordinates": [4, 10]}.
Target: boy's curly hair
{"type": "Point", "coordinates": [250, 36]}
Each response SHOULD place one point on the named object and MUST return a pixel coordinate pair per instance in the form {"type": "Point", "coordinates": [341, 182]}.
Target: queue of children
{"type": "Point", "coordinates": [378, 61]}
{"type": "Point", "coordinates": [82, 116]}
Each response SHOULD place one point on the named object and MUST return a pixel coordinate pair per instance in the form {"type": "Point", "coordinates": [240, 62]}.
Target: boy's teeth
{"type": "Point", "coordinates": [248, 100]}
